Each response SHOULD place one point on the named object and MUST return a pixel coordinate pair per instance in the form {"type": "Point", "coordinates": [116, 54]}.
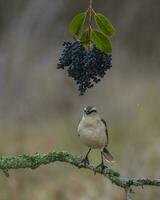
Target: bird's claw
{"type": "Point", "coordinates": [84, 162]}
{"type": "Point", "coordinates": [100, 167]}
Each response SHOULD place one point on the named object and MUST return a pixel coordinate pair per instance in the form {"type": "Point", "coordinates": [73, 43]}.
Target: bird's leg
{"type": "Point", "coordinates": [85, 160]}
{"type": "Point", "coordinates": [102, 166]}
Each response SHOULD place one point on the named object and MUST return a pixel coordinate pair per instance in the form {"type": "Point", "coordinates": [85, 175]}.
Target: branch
{"type": "Point", "coordinates": [34, 161]}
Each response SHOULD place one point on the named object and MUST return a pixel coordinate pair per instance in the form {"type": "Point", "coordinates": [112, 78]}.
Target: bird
{"type": "Point", "coordinates": [93, 132]}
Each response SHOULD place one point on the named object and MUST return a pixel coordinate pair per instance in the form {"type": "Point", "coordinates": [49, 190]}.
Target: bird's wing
{"type": "Point", "coordinates": [108, 156]}
{"type": "Point", "coordinates": [104, 122]}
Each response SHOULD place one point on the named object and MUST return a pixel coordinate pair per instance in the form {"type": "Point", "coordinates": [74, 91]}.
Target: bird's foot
{"type": "Point", "coordinates": [84, 162]}
{"type": "Point", "coordinates": [102, 168]}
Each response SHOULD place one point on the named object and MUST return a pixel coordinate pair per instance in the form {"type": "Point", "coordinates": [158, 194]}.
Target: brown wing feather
{"type": "Point", "coordinates": [104, 122]}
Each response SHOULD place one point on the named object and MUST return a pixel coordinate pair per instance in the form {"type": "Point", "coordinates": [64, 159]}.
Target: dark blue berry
{"type": "Point", "coordinates": [85, 67]}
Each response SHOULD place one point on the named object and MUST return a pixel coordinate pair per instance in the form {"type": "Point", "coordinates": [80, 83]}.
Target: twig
{"type": "Point", "coordinates": [34, 161]}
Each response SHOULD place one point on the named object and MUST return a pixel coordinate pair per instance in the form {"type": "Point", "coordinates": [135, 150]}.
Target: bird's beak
{"type": "Point", "coordinates": [87, 112]}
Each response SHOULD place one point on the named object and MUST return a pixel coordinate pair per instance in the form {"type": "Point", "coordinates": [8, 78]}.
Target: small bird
{"type": "Point", "coordinates": [93, 132]}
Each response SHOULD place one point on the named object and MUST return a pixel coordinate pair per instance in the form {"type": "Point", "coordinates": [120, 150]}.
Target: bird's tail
{"type": "Point", "coordinates": [107, 155]}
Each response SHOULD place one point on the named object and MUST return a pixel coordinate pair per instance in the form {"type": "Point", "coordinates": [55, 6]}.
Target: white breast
{"type": "Point", "coordinates": [92, 132]}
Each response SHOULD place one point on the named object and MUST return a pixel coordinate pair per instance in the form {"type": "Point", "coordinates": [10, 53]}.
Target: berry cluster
{"type": "Point", "coordinates": [85, 67]}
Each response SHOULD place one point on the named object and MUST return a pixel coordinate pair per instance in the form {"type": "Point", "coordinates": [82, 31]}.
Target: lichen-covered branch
{"type": "Point", "coordinates": [34, 161]}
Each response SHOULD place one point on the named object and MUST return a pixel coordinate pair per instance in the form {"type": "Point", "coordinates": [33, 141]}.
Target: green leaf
{"type": "Point", "coordinates": [77, 23]}
{"type": "Point", "coordinates": [104, 24]}
{"type": "Point", "coordinates": [101, 42]}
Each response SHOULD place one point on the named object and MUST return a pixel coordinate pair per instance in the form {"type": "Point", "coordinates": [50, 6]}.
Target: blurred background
{"type": "Point", "coordinates": [40, 107]}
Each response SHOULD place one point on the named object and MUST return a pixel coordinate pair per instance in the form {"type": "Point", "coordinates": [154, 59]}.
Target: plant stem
{"type": "Point", "coordinates": [90, 24]}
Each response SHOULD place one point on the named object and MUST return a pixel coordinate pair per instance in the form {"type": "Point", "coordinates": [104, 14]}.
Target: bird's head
{"type": "Point", "coordinates": [90, 111]}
